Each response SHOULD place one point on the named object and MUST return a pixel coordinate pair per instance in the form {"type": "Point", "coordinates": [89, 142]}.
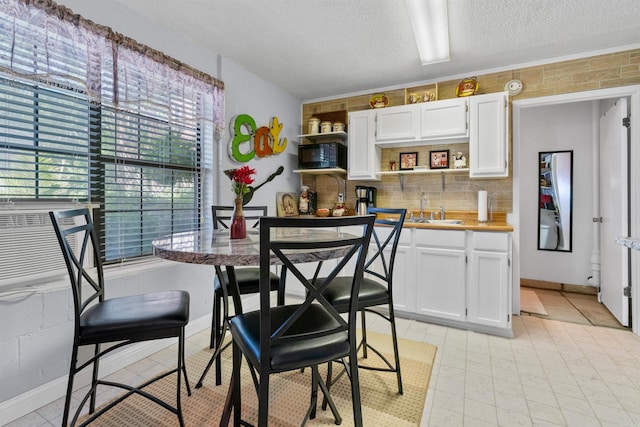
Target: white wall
{"type": "Point", "coordinates": [552, 128]}
{"type": "Point", "coordinates": [247, 94]}
{"type": "Point", "coordinates": [36, 330]}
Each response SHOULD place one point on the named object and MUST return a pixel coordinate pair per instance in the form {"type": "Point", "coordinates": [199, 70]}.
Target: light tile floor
{"type": "Point", "coordinates": [550, 374]}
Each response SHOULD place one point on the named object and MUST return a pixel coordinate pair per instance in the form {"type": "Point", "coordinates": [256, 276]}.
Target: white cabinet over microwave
{"type": "Point", "coordinates": [364, 156]}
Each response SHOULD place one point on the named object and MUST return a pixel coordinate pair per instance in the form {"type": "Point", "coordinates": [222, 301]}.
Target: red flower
{"type": "Point", "coordinates": [240, 178]}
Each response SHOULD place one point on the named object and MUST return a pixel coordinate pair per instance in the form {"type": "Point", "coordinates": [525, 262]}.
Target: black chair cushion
{"type": "Point", "coordinates": [288, 355]}
{"type": "Point", "coordinates": [372, 293]}
{"type": "Point", "coordinates": [136, 318]}
{"type": "Point", "coordinates": [248, 280]}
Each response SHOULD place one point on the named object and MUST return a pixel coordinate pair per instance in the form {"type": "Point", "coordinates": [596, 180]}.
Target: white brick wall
{"type": "Point", "coordinates": [36, 331]}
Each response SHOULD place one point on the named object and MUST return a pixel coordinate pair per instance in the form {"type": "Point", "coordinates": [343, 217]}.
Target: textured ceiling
{"type": "Point", "coordinates": [318, 49]}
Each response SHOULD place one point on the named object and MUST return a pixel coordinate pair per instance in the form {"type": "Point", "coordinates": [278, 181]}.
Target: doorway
{"type": "Point", "coordinates": [584, 264]}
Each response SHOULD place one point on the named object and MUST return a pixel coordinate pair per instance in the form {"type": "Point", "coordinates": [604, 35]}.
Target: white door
{"type": "Point", "coordinates": [614, 210]}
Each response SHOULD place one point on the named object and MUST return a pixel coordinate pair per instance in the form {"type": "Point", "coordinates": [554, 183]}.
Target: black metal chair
{"type": "Point", "coordinates": [377, 285]}
{"type": "Point", "coordinates": [247, 278]}
{"type": "Point", "coordinates": [121, 321]}
{"type": "Point", "coordinates": [282, 338]}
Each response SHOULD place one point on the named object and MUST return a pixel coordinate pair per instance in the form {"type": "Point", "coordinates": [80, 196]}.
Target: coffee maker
{"type": "Point", "coordinates": [366, 198]}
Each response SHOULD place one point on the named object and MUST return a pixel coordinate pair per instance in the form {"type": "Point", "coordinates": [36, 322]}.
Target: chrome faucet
{"type": "Point", "coordinates": [441, 212]}
{"type": "Point", "coordinates": [423, 203]}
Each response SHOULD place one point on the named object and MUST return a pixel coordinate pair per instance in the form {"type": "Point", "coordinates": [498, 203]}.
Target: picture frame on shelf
{"type": "Point", "coordinates": [408, 161]}
{"type": "Point", "coordinates": [287, 204]}
{"type": "Point", "coordinates": [439, 159]}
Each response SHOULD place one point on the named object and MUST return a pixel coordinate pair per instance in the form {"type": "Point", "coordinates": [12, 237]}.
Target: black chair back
{"type": "Point", "coordinates": [79, 260]}
{"type": "Point", "coordinates": [273, 240]}
{"type": "Point", "coordinates": [280, 338]}
{"type": "Point", "coordinates": [118, 321]}
{"type": "Point", "coordinates": [381, 257]}
{"type": "Point", "coordinates": [222, 215]}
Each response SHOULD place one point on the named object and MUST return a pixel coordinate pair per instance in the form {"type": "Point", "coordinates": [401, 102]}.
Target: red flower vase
{"type": "Point", "coordinates": [238, 229]}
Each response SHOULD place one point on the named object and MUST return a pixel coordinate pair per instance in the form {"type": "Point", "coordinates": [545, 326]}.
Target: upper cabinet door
{"type": "Point", "coordinates": [488, 144]}
{"type": "Point", "coordinates": [444, 119]}
{"type": "Point", "coordinates": [397, 123]}
{"type": "Point", "coordinates": [363, 155]}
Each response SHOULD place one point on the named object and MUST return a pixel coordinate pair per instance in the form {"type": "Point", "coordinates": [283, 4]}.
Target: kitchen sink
{"type": "Point", "coordinates": [436, 221]}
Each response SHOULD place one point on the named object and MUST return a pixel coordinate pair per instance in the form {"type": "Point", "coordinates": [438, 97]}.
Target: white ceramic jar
{"type": "Point", "coordinates": [338, 127]}
{"type": "Point", "coordinates": [325, 127]}
{"type": "Point", "coordinates": [314, 125]}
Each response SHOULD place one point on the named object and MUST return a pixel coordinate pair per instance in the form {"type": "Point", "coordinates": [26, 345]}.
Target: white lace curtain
{"type": "Point", "coordinates": [72, 53]}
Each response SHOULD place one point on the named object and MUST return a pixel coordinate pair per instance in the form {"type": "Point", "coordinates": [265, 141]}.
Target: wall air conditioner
{"type": "Point", "coordinates": [29, 250]}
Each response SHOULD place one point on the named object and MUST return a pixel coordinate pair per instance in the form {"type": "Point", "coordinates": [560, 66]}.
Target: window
{"type": "Point", "coordinates": [93, 117]}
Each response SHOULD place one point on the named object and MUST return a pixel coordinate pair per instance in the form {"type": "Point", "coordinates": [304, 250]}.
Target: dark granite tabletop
{"type": "Point", "coordinates": [216, 248]}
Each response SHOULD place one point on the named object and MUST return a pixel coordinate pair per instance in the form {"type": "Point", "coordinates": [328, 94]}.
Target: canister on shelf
{"type": "Point", "coordinates": [314, 125]}
{"type": "Point", "coordinates": [325, 127]}
{"type": "Point", "coordinates": [338, 127]}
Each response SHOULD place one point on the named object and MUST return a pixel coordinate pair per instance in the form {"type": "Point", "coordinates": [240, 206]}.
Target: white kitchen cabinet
{"type": "Point", "coordinates": [488, 289]}
{"type": "Point", "coordinates": [363, 155]}
{"type": "Point", "coordinates": [440, 279]}
{"type": "Point", "coordinates": [489, 280]}
{"type": "Point", "coordinates": [458, 278]}
{"type": "Point", "coordinates": [402, 272]}
{"type": "Point", "coordinates": [488, 130]}
{"type": "Point", "coordinates": [395, 124]}
{"type": "Point", "coordinates": [445, 119]}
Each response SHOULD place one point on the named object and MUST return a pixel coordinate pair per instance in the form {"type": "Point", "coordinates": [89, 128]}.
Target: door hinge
{"type": "Point", "coordinates": [508, 317]}
{"type": "Point", "coordinates": [627, 291]}
{"type": "Point", "coordinates": [508, 262]}
{"type": "Point", "coordinates": [626, 122]}
{"type": "Point", "coordinates": [466, 260]}
{"type": "Point", "coordinates": [466, 311]}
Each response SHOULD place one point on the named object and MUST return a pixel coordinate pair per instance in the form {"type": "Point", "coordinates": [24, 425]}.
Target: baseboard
{"type": "Point", "coordinates": [36, 398]}
{"type": "Point", "coordinates": [555, 286]}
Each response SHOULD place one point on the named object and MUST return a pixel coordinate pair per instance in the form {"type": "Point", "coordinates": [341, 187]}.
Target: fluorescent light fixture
{"type": "Point", "coordinates": [430, 24]}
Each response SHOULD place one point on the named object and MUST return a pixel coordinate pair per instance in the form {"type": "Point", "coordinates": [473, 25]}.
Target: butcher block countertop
{"type": "Point", "coordinates": [469, 218]}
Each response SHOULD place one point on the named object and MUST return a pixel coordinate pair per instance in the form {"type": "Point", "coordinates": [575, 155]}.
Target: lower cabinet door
{"type": "Point", "coordinates": [403, 279]}
{"type": "Point", "coordinates": [440, 282]}
{"type": "Point", "coordinates": [488, 299]}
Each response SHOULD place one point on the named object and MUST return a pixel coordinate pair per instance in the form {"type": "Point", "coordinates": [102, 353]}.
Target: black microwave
{"type": "Point", "coordinates": [324, 155]}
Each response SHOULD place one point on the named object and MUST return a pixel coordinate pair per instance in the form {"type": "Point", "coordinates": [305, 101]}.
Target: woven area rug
{"type": "Point", "coordinates": [290, 394]}
{"type": "Point", "coordinates": [530, 303]}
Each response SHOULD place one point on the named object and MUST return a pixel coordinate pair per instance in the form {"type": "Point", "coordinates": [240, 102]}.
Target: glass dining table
{"type": "Point", "coordinates": [216, 248]}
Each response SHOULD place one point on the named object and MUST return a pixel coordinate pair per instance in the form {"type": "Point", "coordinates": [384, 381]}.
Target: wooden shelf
{"type": "Point", "coordinates": [327, 136]}
{"type": "Point", "coordinates": [422, 171]}
{"type": "Point", "coordinates": [331, 171]}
